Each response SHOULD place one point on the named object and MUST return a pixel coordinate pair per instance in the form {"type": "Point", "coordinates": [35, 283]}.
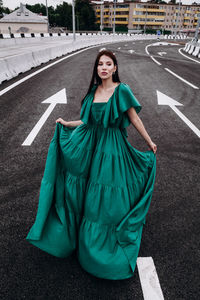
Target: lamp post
{"type": "Point", "coordinates": [114, 16]}
{"type": "Point", "coordinates": [197, 29]}
{"type": "Point", "coordinates": [179, 6]}
{"type": "Point", "coordinates": [73, 21]}
{"type": "Point", "coordinates": [145, 21]}
{"type": "Point", "coordinates": [101, 15]}
{"type": "Point", "coordinates": [47, 16]}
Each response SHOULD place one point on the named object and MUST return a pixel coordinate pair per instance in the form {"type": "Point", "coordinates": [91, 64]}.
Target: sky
{"type": "Point", "coordinates": [12, 4]}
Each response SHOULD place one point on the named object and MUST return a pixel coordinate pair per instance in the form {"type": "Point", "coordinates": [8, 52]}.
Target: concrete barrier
{"type": "Point", "coordinates": [196, 51]}
{"type": "Point", "coordinates": [20, 63]}
{"type": "Point", "coordinates": [4, 73]}
{"type": "Point", "coordinates": [191, 49]}
{"type": "Point", "coordinates": [16, 64]}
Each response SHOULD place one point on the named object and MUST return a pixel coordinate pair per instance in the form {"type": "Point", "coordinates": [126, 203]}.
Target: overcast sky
{"type": "Point", "coordinates": [12, 4]}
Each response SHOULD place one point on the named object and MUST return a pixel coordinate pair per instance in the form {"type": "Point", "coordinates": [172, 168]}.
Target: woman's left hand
{"type": "Point", "coordinates": [153, 147]}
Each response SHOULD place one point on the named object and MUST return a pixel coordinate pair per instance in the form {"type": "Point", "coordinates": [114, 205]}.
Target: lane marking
{"type": "Point", "coordinates": [59, 97]}
{"type": "Point", "coordinates": [166, 100]}
{"type": "Point", "coordinates": [179, 50]}
{"type": "Point", "coordinates": [155, 60]}
{"type": "Point", "coordinates": [162, 53]}
{"type": "Point", "coordinates": [149, 279]}
{"type": "Point", "coordinates": [179, 77]}
{"type": "Point", "coordinates": [131, 51]}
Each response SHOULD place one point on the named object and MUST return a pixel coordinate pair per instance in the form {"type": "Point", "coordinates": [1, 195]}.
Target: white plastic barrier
{"type": "Point", "coordinates": [20, 63]}
{"type": "Point", "coordinates": [188, 47]}
{"type": "Point", "coordinates": [191, 49]}
{"type": "Point", "coordinates": [196, 51]}
{"type": "Point", "coordinates": [5, 73]}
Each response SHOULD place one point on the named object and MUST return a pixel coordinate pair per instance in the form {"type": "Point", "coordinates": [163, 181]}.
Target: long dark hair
{"type": "Point", "coordinates": [95, 77]}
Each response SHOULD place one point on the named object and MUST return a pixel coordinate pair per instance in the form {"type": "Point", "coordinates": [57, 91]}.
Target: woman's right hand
{"type": "Point", "coordinates": [60, 120]}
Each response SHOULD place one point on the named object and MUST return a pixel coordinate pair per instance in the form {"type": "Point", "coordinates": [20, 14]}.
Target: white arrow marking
{"type": "Point", "coordinates": [131, 51]}
{"type": "Point", "coordinates": [59, 97]}
{"type": "Point", "coordinates": [165, 100]}
{"type": "Point", "coordinates": [162, 53]}
{"type": "Point", "coordinates": [149, 279]}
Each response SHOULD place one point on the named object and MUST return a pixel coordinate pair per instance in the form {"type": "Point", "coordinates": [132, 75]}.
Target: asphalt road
{"type": "Point", "coordinates": [171, 233]}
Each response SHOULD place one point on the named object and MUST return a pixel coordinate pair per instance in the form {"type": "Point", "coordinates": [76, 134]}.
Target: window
{"type": "Point", "coordinates": [18, 13]}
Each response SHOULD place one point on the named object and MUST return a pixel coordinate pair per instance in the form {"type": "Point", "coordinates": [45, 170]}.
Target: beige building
{"type": "Point", "coordinates": [140, 15]}
{"type": "Point", "coordinates": [23, 20]}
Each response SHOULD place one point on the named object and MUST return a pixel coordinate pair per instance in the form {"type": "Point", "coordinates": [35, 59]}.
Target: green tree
{"type": "Point", "coordinates": [63, 15]}
{"type": "Point", "coordinates": [3, 9]}
{"type": "Point", "coordinates": [37, 8]}
{"type": "Point", "coordinates": [86, 15]}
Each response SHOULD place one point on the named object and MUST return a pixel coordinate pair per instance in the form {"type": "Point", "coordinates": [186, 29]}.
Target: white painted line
{"type": "Point", "coordinates": [44, 68]}
{"type": "Point", "coordinates": [162, 53]}
{"type": "Point", "coordinates": [149, 279]}
{"type": "Point", "coordinates": [179, 77]}
{"type": "Point", "coordinates": [59, 97]}
{"type": "Point", "coordinates": [179, 50]}
{"type": "Point", "coordinates": [155, 60]}
{"type": "Point", "coordinates": [166, 100]}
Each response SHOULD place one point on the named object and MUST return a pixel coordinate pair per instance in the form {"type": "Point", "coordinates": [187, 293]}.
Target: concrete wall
{"type": "Point", "coordinates": [17, 27]}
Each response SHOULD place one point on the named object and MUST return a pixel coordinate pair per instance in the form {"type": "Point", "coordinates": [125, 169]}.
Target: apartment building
{"type": "Point", "coordinates": [142, 15]}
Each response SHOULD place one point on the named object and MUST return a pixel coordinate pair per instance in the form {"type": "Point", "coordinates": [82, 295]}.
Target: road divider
{"type": "Point", "coordinates": [47, 51]}
{"type": "Point", "coordinates": [193, 48]}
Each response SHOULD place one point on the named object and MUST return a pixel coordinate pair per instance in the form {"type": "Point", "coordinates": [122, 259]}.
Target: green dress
{"type": "Point", "coordinates": [96, 189]}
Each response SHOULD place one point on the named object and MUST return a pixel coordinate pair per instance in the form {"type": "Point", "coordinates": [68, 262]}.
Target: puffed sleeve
{"type": "Point", "coordinates": [127, 99]}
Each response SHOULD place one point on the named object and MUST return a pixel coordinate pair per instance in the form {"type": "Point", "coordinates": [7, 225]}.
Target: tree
{"type": "Point", "coordinates": [86, 15]}
{"type": "Point", "coordinates": [3, 10]}
{"type": "Point", "coordinates": [37, 8]}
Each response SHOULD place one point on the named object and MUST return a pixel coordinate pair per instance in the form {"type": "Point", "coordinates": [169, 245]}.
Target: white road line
{"type": "Point", "coordinates": [149, 279]}
{"type": "Point", "coordinates": [179, 50]}
{"type": "Point", "coordinates": [155, 60]}
{"type": "Point", "coordinates": [179, 77]}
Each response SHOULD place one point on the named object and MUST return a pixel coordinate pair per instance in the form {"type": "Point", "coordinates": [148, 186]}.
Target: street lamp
{"type": "Point", "coordinates": [73, 21]}
{"type": "Point", "coordinates": [101, 15]}
{"type": "Point", "coordinates": [47, 16]}
{"type": "Point", "coordinates": [179, 5]}
{"type": "Point", "coordinates": [145, 21]}
{"type": "Point", "coordinates": [114, 16]}
{"type": "Point", "coordinates": [197, 29]}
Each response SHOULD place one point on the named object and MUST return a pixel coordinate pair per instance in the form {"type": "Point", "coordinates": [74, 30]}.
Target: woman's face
{"type": "Point", "coordinates": [105, 67]}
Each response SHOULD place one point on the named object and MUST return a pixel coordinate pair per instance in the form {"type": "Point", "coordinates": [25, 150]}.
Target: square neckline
{"type": "Point", "coordinates": [104, 102]}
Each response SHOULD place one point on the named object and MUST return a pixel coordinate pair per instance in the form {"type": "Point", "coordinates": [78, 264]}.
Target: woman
{"type": "Point", "coordinates": [96, 189]}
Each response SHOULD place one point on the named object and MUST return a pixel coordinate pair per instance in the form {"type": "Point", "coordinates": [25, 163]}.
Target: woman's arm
{"type": "Point", "coordinates": [70, 123]}
{"type": "Point", "coordinates": [137, 123]}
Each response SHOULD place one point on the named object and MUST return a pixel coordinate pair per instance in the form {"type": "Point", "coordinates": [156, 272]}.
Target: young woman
{"type": "Point", "coordinates": [96, 189]}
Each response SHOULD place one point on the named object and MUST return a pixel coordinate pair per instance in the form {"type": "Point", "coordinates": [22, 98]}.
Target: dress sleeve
{"type": "Point", "coordinates": [127, 99]}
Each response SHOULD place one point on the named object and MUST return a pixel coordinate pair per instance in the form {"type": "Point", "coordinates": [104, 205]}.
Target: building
{"type": "Point", "coordinates": [143, 15]}
{"type": "Point", "coordinates": [23, 20]}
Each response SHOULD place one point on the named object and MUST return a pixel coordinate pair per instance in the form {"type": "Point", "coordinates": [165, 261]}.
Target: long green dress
{"type": "Point", "coordinates": [96, 189]}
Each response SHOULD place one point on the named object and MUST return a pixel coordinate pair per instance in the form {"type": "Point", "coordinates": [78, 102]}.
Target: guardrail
{"type": "Point", "coordinates": [11, 66]}
{"type": "Point", "coordinates": [193, 48]}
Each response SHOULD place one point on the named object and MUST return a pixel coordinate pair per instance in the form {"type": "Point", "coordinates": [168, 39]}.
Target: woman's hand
{"type": "Point", "coordinates": [60, 120]}
{"type": "Point", "coordinates": [153, 147]}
